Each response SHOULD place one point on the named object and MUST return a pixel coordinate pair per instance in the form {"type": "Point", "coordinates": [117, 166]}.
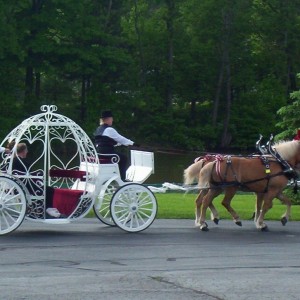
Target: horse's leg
{"type": "Point", "coordinates": [285, 200]}
{"type": "Point", "coordinates": [229, 193]}
{"type": "Point", "coordinates": [268, 198]}
{"type": "Point", "coordinates": [258, 205]}
{"type": "Point", "coordinates": [214, 216]}
{"type": "Point", "coordinates": [206, 202]}
{"type": "Point", "coordinates": [198, 204]}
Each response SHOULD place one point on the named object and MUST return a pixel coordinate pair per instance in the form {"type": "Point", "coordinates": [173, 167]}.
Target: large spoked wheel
{"type": "Point", "coordinates": [102, 204]}
{"type": "Point", "coordinates": [133, 207]}
{"type": "Point", "coordinates": [12, 205]}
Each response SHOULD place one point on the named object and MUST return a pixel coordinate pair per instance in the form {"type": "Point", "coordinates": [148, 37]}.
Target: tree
{"type": "Point", "coordinates": [289, 114]}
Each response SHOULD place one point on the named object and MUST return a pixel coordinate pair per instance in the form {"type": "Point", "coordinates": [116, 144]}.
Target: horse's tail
{"type": "Point", "coordinates": [205, 175]}
{"type": "Point", "coordinates": [192, 172]}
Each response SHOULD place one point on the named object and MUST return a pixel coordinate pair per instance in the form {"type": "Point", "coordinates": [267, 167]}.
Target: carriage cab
{"type": "Point", "coordinates": [60, 170]}
{"type": "Point", "coordinates": [59, 178]}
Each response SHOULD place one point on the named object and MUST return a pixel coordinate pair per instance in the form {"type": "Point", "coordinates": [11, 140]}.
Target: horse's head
{"type": "Point", "coordinates": [289, 151]}
{"type": "Point", "coordinates": [297, 154]}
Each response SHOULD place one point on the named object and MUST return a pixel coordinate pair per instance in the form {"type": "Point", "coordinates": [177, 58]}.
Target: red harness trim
{"type": "Point", "coordinates": [218, 159]}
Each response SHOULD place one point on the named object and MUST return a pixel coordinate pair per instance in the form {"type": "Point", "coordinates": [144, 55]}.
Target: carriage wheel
{"type": "Point", "coordinates": [133, 207]}
{"type": "Point", "coordinates": [12, 205]}
{"type": "Point", "coordinates": [102, 205]}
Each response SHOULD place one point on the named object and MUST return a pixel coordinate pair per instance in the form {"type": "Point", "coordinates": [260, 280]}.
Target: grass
{"type": "Point", "coordinates": [182, 206]}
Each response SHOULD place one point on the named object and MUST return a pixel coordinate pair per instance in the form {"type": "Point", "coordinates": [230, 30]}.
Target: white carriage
{"type": "Point", "coordinates": [65, 168]}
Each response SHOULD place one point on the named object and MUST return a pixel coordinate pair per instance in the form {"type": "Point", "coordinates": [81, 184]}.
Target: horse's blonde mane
{"type": "Point", "coordinates": [286, 149]}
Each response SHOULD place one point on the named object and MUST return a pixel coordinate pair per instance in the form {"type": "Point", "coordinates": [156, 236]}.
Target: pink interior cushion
{"type": "Point", "coordinates": [66, 200]}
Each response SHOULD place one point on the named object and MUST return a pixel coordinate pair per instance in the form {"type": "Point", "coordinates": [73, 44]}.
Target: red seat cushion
{"type": "Point", "coordinates": [67, 173]}
{"type": "Point", "coordinates": [66, 200]}
{"type": "Point", "coordinates": [105, 161]}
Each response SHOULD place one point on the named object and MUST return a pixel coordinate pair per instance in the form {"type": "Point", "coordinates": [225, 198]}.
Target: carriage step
{"type": "Point", "coordinates": [56, 221]}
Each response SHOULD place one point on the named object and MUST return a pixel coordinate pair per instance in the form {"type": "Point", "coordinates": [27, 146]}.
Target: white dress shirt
{"type": "Point", "coordinates": [120, 139]}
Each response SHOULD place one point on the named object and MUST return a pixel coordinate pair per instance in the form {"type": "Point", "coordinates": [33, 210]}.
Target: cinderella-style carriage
{"type": "Point", "coordinates": [63, 173]}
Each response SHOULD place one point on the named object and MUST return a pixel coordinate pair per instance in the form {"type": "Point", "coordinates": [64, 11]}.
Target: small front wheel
{"type": "Point", "coordinates": [12, 205]}
{"type": "Point", "coordinates": [102, 204]}
{"type": "Point", "coordinates": [133, 207]}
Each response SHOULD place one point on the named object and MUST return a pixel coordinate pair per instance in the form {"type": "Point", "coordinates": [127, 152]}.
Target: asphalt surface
{"type": "Point", "coordinates": [170, 260]}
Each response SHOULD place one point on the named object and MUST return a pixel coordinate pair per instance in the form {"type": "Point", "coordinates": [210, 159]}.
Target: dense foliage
{"type": "Point", "coordinates": [184, 74]}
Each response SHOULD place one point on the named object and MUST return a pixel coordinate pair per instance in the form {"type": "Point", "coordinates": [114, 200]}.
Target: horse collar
{"type": "Point", "coordinates": [288, 171]}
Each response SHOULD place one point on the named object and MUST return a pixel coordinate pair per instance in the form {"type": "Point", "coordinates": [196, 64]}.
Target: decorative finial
{"type": "Point", "coordinates": [49, 108]}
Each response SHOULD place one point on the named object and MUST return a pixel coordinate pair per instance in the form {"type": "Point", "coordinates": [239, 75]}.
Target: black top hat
{"type": "Point", "coordinates": [106, 114]}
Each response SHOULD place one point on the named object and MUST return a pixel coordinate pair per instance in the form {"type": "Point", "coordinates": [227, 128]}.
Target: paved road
{"type": "Point", "coordinates": [170, 260]}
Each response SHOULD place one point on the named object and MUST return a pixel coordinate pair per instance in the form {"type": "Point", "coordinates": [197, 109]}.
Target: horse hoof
{"type": "Point", "coordinates": [264, 229]}
{"type": "Point", "coordinates": [238, 223]}
{"type": "Point", "coordinates": [283, 221]}
{"type": "Point", "coordinates": [216, 221]}
{"type": "Point", "coordinates": [204, 227]}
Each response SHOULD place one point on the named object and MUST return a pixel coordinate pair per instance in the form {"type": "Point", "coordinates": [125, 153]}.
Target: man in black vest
{"type": "Point", "coordinates": [107, 139]}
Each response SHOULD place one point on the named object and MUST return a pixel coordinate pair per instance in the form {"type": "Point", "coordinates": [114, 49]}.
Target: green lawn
{"type": "Point", "coordinates": [181, 206]}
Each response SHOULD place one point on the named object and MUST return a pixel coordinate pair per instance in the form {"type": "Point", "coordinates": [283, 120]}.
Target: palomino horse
{"type": "Point", "coordinates": [192, 173]}
{"type": "Point", "coordinates": [264, 175]}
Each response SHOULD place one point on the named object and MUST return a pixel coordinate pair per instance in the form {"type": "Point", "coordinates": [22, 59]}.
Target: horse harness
{"type": "Point", "coordinates": [287, 171]}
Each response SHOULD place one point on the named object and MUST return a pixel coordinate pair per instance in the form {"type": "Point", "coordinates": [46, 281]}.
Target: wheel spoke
{"type": "Point", "coordinates": [8, 209]}
{"type": "Point", "coordinates": [9, 216]}
{"type": "Point", "coordinates": [122, 202]}
{"type": "Point", "coordinates": [124, 219]}
{"type": "Point", "coordinates": [4, 219]}
{"type": "Point", "coordinates": [144, 214]}
{"type": "Point", "coordinates": [125, 205]}
{"type": "Point", "coordinates": [146, 209]}
{"type": "Point", "coordinates": [139, 218]}
{"type": "Point", "coordinates": [133, 220]}
{"type": "Point", "coordinates": [145, 202]}
{"type": "Point", "coordinates": [104, 212]}
{"type": "Point", "coordinates": [7, 192]}
{"type": "Point", "coordinates": [121, 210]}
{"type": "Point", "coordinates": [9, 201]}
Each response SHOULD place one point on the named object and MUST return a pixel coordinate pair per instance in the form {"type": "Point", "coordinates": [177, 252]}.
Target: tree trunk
{"type": "Point", "coordinates": [28, 84]}
{"type": "Point", "coordinates": [30, 94]}
{"type": "Point", "coordinates": [108, 13]}
{"type": "Point", "coordinates": [37, 85]}
{"type": "Point", "coordinates": [83, 99]}
{"type": "Point", "coordinates": [140, 46]}
{"type": "Point", "coordinates": [226, 136]}
{"type": "Point", "coordinates": [193, 112]}
{"type": "Point", "coordinates": [170, 31]}
{"type": "Point", "coordinates": [227, 20]}
{"type": "Point", "coordinates": [218, 93]}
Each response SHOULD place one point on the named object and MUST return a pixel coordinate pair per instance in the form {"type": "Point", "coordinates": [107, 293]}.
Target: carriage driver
{"type": "Point", "coordinates": [107, 139]}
